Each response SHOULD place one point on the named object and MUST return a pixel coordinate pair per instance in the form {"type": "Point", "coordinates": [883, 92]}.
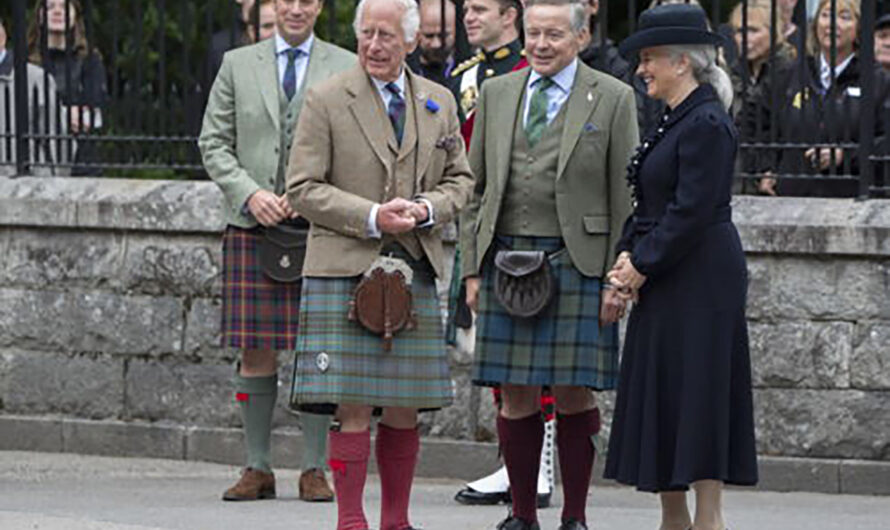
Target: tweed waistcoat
{"type": "Point", "coordinates": [529, 204]}
{"type": "Point", "coordinates": [289, 114]}
{"type": "Point", "coordinates": [401, 181]}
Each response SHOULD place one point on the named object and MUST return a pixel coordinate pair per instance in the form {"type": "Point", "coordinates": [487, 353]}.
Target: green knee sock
{"type": "Point", "coordinates": [257, 398]}
{"type": "Point", "coordinates": [315, 440]}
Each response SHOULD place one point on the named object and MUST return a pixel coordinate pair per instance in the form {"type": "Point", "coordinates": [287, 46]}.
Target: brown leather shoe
{"type": "Point", "coordinates": [314, 486]}
{"type": "Point", "coordinates": [253, 485]}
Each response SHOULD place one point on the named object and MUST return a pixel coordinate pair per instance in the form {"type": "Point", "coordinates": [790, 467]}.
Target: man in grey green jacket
{"type": "Point", "coordinates": [245, 141]}
{"type": "Point", "coordinates": [549, 150]}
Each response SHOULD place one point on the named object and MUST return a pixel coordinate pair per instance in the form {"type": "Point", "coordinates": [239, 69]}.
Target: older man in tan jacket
{"type": "Point", "coordinates": [378, 168]}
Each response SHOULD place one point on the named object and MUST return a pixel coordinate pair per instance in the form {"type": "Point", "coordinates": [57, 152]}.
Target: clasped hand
{"type": "Point", "coordinates": [270, 209]}
{"type": "Point", "coordinates": [400, 215]}
{"type": "Point", "coordinates": [624, 284]}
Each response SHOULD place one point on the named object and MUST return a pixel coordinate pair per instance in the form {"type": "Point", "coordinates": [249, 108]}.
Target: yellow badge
{"type": "Point", "coordinates": [503, 53]}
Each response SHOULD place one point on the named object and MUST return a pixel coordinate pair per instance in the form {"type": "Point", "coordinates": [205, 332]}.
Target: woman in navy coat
{"type": "Point", "coordinates": [683, 414]}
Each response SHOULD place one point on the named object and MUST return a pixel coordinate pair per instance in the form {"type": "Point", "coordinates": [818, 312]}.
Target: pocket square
{"type": "Point", "coordinates": [447, 143]}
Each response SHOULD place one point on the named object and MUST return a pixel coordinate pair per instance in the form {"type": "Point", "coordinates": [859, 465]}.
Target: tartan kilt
{"type": "Point", "coordinates": [562, 345]}
{"type": "Point", "coordinates": [413, 374]}
{"type": "Point", "coordinates": [257, 313]}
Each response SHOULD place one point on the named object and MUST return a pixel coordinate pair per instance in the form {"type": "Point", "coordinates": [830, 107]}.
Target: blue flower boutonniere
{"type": "Point", "coordinates": [432, 106]}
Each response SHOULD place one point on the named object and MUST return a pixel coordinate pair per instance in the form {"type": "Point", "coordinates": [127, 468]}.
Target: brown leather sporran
{"type": "Point", "coordinates": [382, 302]}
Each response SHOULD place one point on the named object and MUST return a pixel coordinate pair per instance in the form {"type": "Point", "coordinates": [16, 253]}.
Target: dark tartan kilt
{"type": "Point", "coordinates": [258, 313]}
{"type": "Point", "coordinates": [562, 345]}
{"type": "Point", "coordinates": [355, 369]}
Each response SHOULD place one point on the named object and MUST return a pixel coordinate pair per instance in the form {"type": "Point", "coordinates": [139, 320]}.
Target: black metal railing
{"type": "Point", "coordinates": [122, 91]}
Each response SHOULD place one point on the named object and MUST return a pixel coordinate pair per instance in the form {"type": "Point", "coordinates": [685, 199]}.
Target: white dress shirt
{"type": "Point", "coordinates": [300, 63]}
{"type": "Point", "coordinates": [557, 94]}
{"type": "Point", "coordinates": [2, 55]}
{"type": "Point", "coordinates": [825, 70]}
{"type": "Point", "coordinates": [386, 97]}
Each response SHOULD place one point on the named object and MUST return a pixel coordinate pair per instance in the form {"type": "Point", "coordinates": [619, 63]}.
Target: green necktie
{"type": "Point", "coordinates": [536, 121]}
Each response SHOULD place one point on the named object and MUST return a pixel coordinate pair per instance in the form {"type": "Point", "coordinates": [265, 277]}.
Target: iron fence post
{"type": "Point", "coordinates": [867, 122]}
{"type": "Point", "coordinates": [20, 88]}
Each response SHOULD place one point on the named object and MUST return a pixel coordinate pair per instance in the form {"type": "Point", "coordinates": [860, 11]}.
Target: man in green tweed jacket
{"type": "Point", "coordinates": [245, 142]}
{"type": "Point", "coordinates": [553, 184]}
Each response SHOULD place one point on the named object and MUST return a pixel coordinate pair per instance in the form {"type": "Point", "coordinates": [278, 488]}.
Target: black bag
{"type": "Point", "coordinates": [523, 281]}
{"type": "Point", "coordinates": [282, 251]}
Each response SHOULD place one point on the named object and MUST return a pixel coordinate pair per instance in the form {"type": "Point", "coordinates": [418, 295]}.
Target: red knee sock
{"type": "Point", "coordinates": [349, 452]}
{"type": "Point", "coordinates": [576, 454]}
{"type": "Point", "coordinates": [520, 442]}
{"type": "Point", "coordinates": [396, 457]}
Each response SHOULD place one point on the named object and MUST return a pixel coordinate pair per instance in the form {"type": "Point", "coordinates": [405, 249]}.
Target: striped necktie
{"type": "Point", "coordinates": [396, 110]}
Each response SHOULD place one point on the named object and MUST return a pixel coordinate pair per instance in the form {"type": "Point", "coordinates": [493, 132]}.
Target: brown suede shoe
{"type": "Point", "coordinates": [253, 485]}
{"type": "Point", "coordinates": [314, 486]}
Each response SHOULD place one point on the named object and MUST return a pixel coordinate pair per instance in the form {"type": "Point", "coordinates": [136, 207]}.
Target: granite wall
{"type": "Point", "coordinates": [110, 309]}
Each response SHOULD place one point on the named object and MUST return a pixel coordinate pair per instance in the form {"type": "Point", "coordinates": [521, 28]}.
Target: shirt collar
{"type": "Point", "coordinates": [825, 70]}
{"type": "Point", "coordinates": [282, 46]}
{"type": "Point", "coordinates": [563, 79]}
{"type": "Point", "coordinates": [400, 82]}
{"type": "Point", "coordinates": [2, 55]}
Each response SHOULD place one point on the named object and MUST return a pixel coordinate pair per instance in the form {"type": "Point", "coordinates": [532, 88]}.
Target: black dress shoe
{"type": "Point", "coordinates": [515, 523]}
{"type": "Point", "coordinates": [472, 497]}
{"type": "Point", "coordinates": [572, 524]}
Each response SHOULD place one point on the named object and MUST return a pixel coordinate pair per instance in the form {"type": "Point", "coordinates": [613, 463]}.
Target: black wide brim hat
{"type": "Point", "coordinates": [671, 24]}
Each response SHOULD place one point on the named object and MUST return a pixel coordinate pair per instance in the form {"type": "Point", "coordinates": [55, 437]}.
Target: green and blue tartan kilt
{"type": "Point", "coordinates": [339, 361]}
{"type": "Point", "coordinates": [562, 345]}
{"type": "Point", "coordinates": [257, 313]}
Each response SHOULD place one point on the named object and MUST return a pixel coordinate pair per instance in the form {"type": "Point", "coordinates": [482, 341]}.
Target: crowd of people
{"type": "Point", "coordinates": [340, 174]}
{"type": "Point", "coordinates": [798, 117]}
{"type": "Point", "coordinates": [585, 177]}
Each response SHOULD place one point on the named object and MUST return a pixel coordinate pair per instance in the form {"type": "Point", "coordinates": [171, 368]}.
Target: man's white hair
{"type": "Point", "coordinates": [410, 17]}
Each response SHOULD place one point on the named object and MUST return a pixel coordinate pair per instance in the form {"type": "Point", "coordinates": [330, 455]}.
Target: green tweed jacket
{"type": "Point", "coordinates": [241, 134]}
{"type": "Point", "coordinates": [592, 196]}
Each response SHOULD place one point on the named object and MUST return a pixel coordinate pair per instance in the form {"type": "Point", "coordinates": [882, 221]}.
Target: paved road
{"type": "Point", "coordinates": [41, 491]}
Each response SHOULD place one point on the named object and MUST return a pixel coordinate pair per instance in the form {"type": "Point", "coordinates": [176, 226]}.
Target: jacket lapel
{"type": "Point", "coordinates": [368, 112]}
{"type": "Point", "coordinates": [267, 79]}
{"type": "Point", "coordinates": [581, 104]}
{"type": "Point", "coordinates": [409, 135]}
{"type": "Point", "coordinates": [509, 109]}
{"type": "Point", "coordinates": [317, 69]}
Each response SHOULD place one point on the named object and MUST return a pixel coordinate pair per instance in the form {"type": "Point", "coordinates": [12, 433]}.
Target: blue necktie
{"type": "Point", "coordinates": [396, 110]}
{"type": "Point", "coordinates": [290, 72]}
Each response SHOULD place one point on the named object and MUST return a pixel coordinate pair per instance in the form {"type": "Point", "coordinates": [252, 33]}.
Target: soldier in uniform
{"type": "Point", "coordinates": [492, 26]}
{"type": "Point", "coordinates": [245, 143]}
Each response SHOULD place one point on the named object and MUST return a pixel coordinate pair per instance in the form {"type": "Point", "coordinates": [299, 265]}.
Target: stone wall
{"type": "Point", "coordinates": [110, 309]}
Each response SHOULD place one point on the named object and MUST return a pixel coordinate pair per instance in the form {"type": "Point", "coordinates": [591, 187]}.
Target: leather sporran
{"type": "Point", "coordinates": [282, 250]}
{"type": "Point", "coordinates": [523, 282]}
{"type": "Point", "coordinates": [382, 302]}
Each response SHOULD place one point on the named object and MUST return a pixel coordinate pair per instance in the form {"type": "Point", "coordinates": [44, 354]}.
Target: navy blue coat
{"type": "Point", "coordinates": [684, 408]}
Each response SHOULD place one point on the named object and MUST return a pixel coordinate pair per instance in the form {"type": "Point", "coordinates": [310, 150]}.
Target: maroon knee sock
{"type": "Point", "coordinates": [520, 442]}
{"type": "Point", "coordinates": [576, 454]}
{"type": "Point", "coordinates": [349, 452]}
{"type": "Point", "coordinates": [396, 456]}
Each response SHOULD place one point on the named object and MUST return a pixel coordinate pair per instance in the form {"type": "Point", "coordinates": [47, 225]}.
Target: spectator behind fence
{"type": "Point", "coordinates": [823, 103]}
{"type": "Point", "coordinates": [602, 54]}
{"type": "Point", "coordinates": [766, 75]}
{"type": "Point", "coordinates": [882, 41]}
{"type": "Point", "coordinates": [43, 153]}
{"type": "Point", "coordinates": [433, 58]}
{"type": "Point", "coordinates": [81, 81]}
{"type": "Point", "coordinates": [233, 36]}
{"type": "Point", "coordinates": [264, 19]}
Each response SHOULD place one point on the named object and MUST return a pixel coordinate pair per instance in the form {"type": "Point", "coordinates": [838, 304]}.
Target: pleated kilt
{"type": "Point", "coordinates": [339, 361]}
{"type": "Point", "coordinates": [563, 345]}
{"type": "Point", "coordinates": [258, 313]}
